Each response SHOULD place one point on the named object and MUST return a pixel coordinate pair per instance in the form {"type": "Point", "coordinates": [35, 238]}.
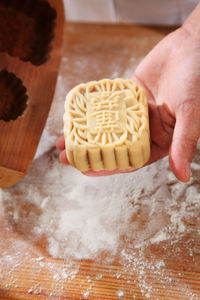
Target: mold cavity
{"type": "Point", "coordinates": [27, 29]}
{"type": "Point", "coordinates": [13, 97]}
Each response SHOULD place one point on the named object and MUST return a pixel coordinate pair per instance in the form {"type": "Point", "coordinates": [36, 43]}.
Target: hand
{"type": "Point", "coordinates": [170, 74]}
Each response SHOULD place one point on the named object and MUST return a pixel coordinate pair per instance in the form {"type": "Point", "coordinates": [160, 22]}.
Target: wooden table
{"type": "Point", "coordinates": [28, 272]}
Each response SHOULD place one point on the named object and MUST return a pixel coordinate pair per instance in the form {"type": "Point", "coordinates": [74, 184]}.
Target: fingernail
{"type": "Point", "coordinates": [187, 171]}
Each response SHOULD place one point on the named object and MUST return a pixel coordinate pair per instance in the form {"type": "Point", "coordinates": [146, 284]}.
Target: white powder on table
{"type": "Point", "coordinates": [120, 293]}
{"type": "Point", "coordinates": [83, 217]}
{"type": "Point", "coordinates": [86, 215]}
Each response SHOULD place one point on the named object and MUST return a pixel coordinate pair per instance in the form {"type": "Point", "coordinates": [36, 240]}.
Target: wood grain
{"type": "Point", "coordinates": [8, 176]}
{"type": "Point", "coordinates": [19, 138]}
{"type": "Point", "coordinates": [95, 52]}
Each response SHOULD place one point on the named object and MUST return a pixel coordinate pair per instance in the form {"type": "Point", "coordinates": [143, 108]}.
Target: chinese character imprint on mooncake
{"type": "Point", "coordinates": [106, 125]}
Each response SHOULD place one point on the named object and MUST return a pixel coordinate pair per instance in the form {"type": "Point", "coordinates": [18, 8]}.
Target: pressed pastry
{"type": "Point", "coordinates": [106, 125]}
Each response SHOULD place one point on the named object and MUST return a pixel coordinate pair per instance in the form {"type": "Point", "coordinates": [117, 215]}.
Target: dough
{"type": "Point", "coordinates": [106, 125]}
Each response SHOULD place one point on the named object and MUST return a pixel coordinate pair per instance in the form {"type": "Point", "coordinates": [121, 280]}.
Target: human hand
{"type": "Point", "coordinates": [170, 74]}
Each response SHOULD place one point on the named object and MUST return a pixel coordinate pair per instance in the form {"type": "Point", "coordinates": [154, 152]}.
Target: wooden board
{"type": "Point", "coordinates": [19, 138]}
{"type": "Point", "coordinates": [28, 272]}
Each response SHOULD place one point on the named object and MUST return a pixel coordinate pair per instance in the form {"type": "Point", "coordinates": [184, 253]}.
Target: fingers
{"type": "Point", "coordinates": [63, 158]}
{"type": "Point", "coordinates": [185, 138]}
{"type": "Point", "coordinates": [60, 143]}
{"type": "Point", "coordinates": [107, 173]}
{"type": "Point", "coordinates": [161, 133]}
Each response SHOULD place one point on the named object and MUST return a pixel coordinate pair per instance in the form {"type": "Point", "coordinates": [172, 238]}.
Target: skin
{"type": "Point", "coordinates": [170, 74]}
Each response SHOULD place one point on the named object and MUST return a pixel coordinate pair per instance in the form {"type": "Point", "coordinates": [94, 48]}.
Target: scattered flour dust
{"type": "Point", "coordinates": [120, 293]}
{"type": "Point", "coordinates": [82, 217]}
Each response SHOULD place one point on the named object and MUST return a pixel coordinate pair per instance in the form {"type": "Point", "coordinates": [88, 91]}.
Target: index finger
{"type": "Point", "coordinates": [60, 143]}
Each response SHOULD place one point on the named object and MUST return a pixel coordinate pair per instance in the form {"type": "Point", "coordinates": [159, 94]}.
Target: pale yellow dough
{"type": "Point", "coordinates": [106, 125]}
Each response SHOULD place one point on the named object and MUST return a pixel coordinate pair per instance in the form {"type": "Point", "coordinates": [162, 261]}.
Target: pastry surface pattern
{"type": "Point", "coordinates": [106, 125]}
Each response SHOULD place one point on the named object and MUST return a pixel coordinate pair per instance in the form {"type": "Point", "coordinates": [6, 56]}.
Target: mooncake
{"type": "Point", "coordinates": [106, 125]}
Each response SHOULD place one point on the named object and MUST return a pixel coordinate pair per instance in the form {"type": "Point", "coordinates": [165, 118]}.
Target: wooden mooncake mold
{"type": "Point", "coordinates": [27, 29]}
{"type": "Point", "coordinates": [13, 96]}
{"type": "Point", "coordinates": [106, 125]}
{"type": "Point", "coordinates": [31, 34]}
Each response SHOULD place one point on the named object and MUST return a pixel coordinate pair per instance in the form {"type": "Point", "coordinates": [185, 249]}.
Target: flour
{"type": "Point", "coordinates": [79, 217]}
{"type": "Point", "coordinates": [120, 293]}
{"type": "Point", "coordinates": [84, 215]}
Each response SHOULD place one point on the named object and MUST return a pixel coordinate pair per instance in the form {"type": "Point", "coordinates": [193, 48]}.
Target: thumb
{"type": "Point", "coordinates": [185, 138]}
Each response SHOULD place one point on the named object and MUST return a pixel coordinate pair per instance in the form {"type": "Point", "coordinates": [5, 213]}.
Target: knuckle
{"type": "Point", "coordinates": [185, 107]}
{"type": "Point", "coordinates": [189, 107]}
{"type": "Point", "coordinates": [189, 143]}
